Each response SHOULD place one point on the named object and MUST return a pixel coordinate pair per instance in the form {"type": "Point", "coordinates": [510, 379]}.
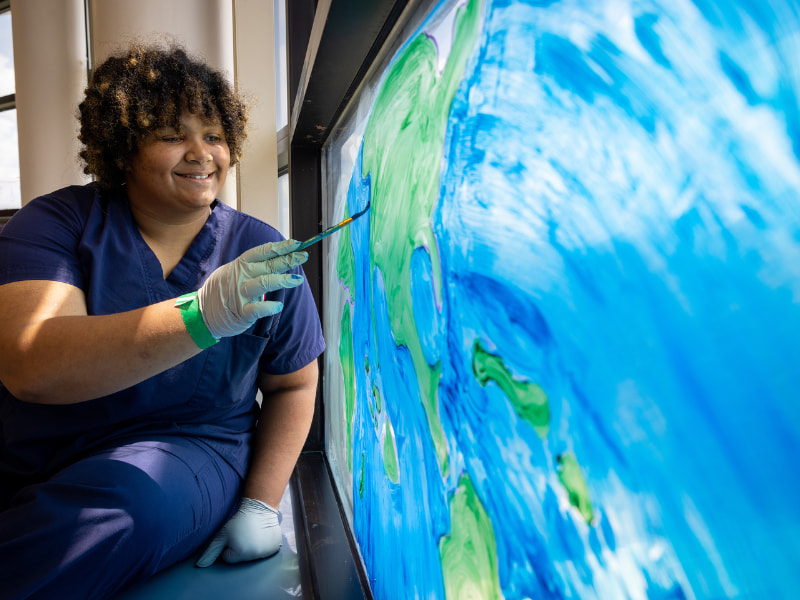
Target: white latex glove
{"type": "Point", "coordinates": [252, 533]}
{"type": "Point", "coordinates": [231, 299]}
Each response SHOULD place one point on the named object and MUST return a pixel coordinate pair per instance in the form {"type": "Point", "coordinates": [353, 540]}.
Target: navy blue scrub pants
{"type": "Point", "coordinates": [112, 519]}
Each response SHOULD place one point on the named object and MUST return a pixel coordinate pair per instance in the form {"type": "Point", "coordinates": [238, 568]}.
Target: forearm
{"type": "Point", "coordinates": [282, 430]}
{"type": "Point", "coordinates": [69, 359]}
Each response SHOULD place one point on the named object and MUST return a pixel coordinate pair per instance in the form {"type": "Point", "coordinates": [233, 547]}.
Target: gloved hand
{"type": "Point", "coordinates": [231, 299]}
{"type": "Point", "coordinates": [252, 533]}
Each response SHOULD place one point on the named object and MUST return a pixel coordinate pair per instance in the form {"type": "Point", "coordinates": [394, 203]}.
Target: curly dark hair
{"type": "Point", "coordinates": [143, 89]}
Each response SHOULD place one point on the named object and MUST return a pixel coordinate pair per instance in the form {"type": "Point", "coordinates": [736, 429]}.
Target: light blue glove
{"type": "Point", "coordinates": [252, 533]}
{"type": "Point", "coordinates": [231, 299]}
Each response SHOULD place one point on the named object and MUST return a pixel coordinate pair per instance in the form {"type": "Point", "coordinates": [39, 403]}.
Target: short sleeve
{"type": "Point", "coordinates": [296, 337]}
{"type": "Point", "coordinates": [41, 241]}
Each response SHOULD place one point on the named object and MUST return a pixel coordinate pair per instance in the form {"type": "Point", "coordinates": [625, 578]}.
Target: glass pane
{"type": "Point", "coordinates": [6, 55]}
{"type": "Point", "coordinates": [10, 196]}
{"type": "Point", "coordinates": [560, 345]}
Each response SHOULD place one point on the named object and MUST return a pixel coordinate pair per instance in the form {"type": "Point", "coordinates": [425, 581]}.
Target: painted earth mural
{"type": "Point", "coordinates": [563, 347]}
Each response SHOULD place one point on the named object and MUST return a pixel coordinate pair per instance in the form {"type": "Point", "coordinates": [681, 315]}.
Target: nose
{"type": "Point", "coordinates": [198, 151]}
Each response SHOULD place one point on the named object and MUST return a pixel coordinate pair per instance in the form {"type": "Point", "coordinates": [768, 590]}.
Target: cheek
{"type": "Point", "coordinates": [224, 158]}
{"type": "Point", "coordinates": [152, 164]}
{"type": "Point", "coordinates": [223, 161]}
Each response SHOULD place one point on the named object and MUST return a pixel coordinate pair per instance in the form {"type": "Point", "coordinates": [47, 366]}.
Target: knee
{"type": "Point", "coordinates": [131, 503]}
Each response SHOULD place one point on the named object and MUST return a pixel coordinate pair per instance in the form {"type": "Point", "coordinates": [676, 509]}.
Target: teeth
{"type": "Point", "coordinates": [196, 176]}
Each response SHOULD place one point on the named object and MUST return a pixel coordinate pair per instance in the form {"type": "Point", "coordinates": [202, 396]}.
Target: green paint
{"type": "Point", "coordinates": [345, 268]}
{"type": "Point", "coordinates": [402, 152]}
{"type": "Point", "coordinates": [469, 552]}
{"type": "Point", "coordinates": [531, 404]}
{"type": "Point", "coordinates": [569, 472]}
{"type": "Point", "coordinates": [361, 478]}
{"type": "Point", "coordinates": [345, 261]}
{"type": "Point", "coordinates": [349, 373]}
{"type": "Point", "coordinates": [390, 463]}
{"type": "Point", "coordinates": [377, 394]}
{"type": "Point", "coordinates": [529, 400]}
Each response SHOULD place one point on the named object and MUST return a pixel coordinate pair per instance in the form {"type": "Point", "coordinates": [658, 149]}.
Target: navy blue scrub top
{"type": "Point", "coordinates": [88, 238]}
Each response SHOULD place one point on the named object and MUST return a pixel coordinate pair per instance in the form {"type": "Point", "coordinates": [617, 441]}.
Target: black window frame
{"type": "Point", "coordinates": [331, 45]}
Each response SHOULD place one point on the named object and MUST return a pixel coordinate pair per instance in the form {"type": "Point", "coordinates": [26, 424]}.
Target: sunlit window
{"type": "Point", "coordinates": [10, 196]}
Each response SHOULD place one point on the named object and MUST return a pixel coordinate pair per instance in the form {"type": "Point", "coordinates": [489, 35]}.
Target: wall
{"type": "Point", "coordinates": [52, 45]}
{"type": "Point", "coordinates": [561, 347]}
{"type": "Point", "coordinates": [204, 28]}
{"type": "Point", "coordinates": [50, 66]}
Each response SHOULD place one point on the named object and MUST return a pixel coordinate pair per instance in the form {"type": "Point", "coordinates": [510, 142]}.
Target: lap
{"type": "Point", "coordinates": [124, 512]}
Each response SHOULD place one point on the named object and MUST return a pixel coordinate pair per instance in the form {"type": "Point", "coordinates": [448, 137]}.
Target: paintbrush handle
{"type": "Point", "coordinates": [332, 229]}
{"type": "Point", "coordinates": [323, 234]}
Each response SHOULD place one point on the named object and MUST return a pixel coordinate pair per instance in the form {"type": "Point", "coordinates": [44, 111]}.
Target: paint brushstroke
{"type": "Point", "coordinates": [604, 194]}
{"type": "Point", "coordinates": [401, 153]}
{"type": "Point", "coordinates": [469, 554]}
{"type": "Point", "coordinates": [528, 399]}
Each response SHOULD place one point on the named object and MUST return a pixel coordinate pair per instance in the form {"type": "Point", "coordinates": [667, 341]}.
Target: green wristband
{"type": "Point", "coordinates": [195, 325]}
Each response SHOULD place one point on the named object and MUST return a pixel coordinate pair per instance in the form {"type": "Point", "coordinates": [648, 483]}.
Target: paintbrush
{"type": "Point", "coordinates": [331, 230]}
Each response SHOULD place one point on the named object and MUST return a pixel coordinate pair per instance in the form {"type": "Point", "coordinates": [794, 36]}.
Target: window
{"type": "Point", "coordinates": [282, 117]}
{"type": "Point", "coordinates": [10, 196]}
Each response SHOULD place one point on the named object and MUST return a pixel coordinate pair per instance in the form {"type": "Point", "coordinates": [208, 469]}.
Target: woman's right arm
{"type": "Point", "coordinates": [52, 352]}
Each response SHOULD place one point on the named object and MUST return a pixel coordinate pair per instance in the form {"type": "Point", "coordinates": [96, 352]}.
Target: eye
{"type": "Point", "coordinates": [168, 135]}
{"type": "Point", "coordinates": [215, 138]}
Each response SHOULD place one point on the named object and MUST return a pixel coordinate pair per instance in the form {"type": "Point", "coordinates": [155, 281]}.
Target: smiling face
{"type": "Point", "coordinates": [179, 172]}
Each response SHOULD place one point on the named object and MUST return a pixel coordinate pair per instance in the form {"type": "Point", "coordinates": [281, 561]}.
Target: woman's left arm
{"type": "Point", "coordinates": [286, 413]}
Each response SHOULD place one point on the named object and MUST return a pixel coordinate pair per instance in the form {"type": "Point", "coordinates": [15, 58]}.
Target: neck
{"type": "Point", "coordinates": [167, 228]}
{"type": "Point", "coordinates": [169, 239]}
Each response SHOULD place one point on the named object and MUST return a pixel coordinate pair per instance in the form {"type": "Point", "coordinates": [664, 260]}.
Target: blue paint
{"type": "Point", "coordinates": [430, 325]}
{"type": "Point", "coordinates": [387, 511]}
{"type": "Point", "coordinates": [645, 28]}
{"type": "Point", "coordinates": [565, 62]}
{"type": "Point", "coordinates": [739, 78]}
{"type": "Point", "coordinates": [618, 221]}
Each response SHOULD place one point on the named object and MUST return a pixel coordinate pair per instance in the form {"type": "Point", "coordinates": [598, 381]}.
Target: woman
{"type": "Point", "coordinates": [139, 317]}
